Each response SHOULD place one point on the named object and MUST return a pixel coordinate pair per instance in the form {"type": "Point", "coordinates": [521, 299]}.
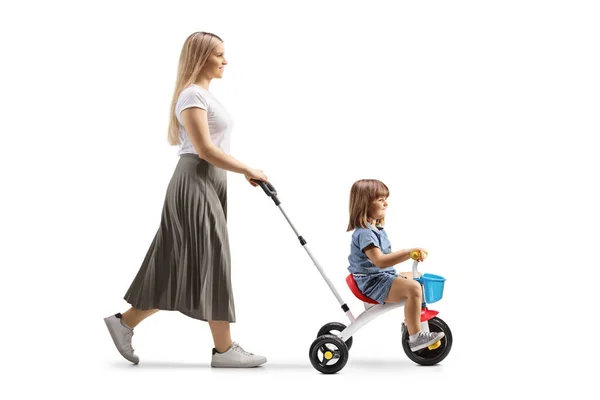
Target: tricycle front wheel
{"type": "Point", "coordinates": [431, 355]}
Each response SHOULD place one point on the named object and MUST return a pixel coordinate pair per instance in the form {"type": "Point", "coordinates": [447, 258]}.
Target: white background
{"type": "Point", "coordinates": [480, 117]}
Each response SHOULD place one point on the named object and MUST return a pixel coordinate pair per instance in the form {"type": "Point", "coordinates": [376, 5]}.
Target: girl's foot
{"type": "Point", "coordinates": [421, 339]}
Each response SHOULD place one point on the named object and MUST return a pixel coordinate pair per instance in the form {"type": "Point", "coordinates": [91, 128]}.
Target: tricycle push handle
{"type": "Point", "coordinates": [269, 190]}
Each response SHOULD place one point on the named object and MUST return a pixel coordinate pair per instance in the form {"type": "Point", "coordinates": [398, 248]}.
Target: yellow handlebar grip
{"type": "Point", "coordinates": [416, 254]}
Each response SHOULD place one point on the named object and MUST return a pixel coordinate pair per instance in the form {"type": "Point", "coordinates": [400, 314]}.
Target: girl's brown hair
{"type": "Point", "coordinates": [362, 193]}
{"type": "Point", "coordinates": [194, 53]}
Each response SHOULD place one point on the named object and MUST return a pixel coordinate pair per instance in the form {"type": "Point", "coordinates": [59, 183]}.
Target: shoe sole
{"type": "Point", "coordinates": [253, 365]}
{"type": "Point", "coordinates": [114, 339]}
{"type": "Point", "coordinates": [422, 346]}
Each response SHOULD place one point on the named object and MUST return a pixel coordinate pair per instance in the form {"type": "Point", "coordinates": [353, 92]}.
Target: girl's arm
{"type": "Point", "coordinates": [381, 260]}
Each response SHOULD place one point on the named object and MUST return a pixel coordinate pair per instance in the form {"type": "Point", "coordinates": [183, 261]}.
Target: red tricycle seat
{"type": "Point", "coordinates": [354, 288]}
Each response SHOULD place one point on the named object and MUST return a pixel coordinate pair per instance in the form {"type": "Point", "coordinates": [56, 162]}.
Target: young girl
{"type": "Point", "coordinates": [372, 260]}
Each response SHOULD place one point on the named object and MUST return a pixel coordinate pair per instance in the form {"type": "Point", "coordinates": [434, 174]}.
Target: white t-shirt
{"type": "Point", "coordinates": [220, 123]}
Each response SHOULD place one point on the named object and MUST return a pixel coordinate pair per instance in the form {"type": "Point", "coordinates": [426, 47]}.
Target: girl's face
{"type": "Point", "coordinates": [216, 62]}
{"type": "Point", "coordinates": [377, 208]}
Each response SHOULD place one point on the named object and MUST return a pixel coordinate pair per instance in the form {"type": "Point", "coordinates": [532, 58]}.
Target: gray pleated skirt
{"type": "Point", "coordinates": [188, 265]}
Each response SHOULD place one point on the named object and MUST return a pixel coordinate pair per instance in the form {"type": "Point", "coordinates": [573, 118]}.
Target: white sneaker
{"type": "Point", "coordinates": [121, 335]}
{"type": "Point", "coordinates": [236, 357]}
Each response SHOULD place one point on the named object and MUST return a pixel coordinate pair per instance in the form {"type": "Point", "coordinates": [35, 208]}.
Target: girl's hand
{"type": "Point", "coordinates": [256, 174]}
{"type": "Point", "coordinates": [422, 253]}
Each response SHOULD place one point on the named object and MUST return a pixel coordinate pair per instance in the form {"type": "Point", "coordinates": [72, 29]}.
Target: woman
{"type": "Point", "coordinates": [187, 267]}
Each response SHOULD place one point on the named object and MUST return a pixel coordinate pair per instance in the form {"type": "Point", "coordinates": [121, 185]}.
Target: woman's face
{"type": "Point", "coordinates": [215, 65]}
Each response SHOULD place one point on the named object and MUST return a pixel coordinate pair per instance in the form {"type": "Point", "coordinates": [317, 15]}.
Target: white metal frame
{"type": "Point", "coordinates": [365, 317]}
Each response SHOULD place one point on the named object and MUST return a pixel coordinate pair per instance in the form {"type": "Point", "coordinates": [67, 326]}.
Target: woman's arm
{"type": "Point", "coordinates": [195, 121]}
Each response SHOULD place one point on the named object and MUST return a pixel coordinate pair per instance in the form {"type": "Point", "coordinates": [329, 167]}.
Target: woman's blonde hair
{"type": "Point", "coordinates": [362, 193]}
{"type": "Point", "coordinates": [196, 50]}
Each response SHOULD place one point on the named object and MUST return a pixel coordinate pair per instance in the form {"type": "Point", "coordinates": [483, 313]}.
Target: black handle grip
{"type": "Point", "coordinates": [269, 190]}
{"type": "Point", "coordinates": [267, 187]}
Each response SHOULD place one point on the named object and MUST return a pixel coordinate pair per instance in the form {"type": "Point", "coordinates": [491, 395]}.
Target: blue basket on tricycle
{"type": "Point", "coordinates": [433, 287]}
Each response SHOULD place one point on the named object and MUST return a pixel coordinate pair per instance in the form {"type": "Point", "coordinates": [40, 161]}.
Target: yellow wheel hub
{"type": "Point", "coordinates": [328, 355]}
{"type": "Point", "coordinates": [435, 345]}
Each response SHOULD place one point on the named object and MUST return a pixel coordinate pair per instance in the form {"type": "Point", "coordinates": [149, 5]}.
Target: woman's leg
{"type": "Point", "coordinates": [133, 316]}
{"type": "Point", "coordinates": [221, 335]}
{"type": "Point", "coordinates": [409, 290]}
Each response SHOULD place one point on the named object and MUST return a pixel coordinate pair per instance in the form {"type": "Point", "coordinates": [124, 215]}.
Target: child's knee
{"type": "Point", "coordinates": [415, 289]}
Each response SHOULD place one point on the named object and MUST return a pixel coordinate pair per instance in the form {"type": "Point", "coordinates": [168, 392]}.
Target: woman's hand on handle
{"type": "Point", "coordinates": [255, 174]}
